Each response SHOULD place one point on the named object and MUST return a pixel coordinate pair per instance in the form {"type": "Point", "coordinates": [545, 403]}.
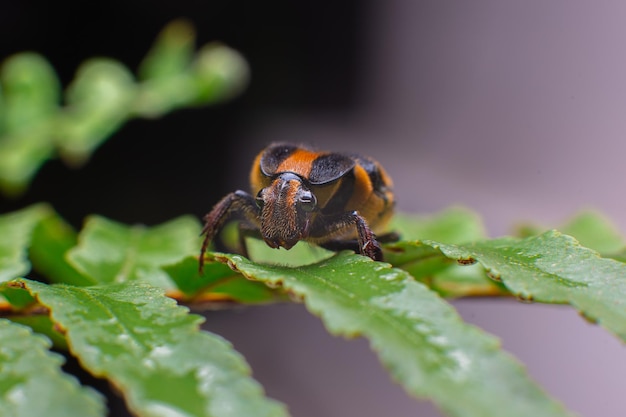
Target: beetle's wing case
{"type": "Point", "coordinates": [378, 207]}
{"type": "Point", "coordinates": [316, 168]}
{"type": "Point", "coordinates": [380, 180]}
{"type": "Point", "coordinates": [329, 167]}
{"type": "Point", "coordinates": [270, 159]}
{"type": "Point", "coordinates": [268, 163]}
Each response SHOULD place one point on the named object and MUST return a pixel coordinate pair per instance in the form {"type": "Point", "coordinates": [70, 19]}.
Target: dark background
{"type": "Point", "coordinates": [513, 108]}
{"type": "Point", "coordinates": [303, 57]}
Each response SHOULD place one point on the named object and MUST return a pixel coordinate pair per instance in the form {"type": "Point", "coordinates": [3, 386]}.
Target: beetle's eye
{"type": "Point", "coordinates": [307, 201]}
{"type": "Point", "coordinates": [259, 198]}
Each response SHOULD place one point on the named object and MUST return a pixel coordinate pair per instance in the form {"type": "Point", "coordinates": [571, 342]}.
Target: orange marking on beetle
{"type": "Point", "coordinates": [362, 188]}
{"type": "Point", "coordinates": [300, 162]}
{"type": "Point", "coordinates": [257, 179]}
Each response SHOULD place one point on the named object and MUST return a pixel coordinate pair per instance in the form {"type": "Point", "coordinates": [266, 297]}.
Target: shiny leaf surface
{"type": "Point", "coordinates": [447, 277]}
{"type": "Point", "coordinates": [217, 283]}
{"type": "Point", "coordinates": [51, 239]}
{"type": "Point", "coordinates": [113, 252]}
{"type": "Point", "coordinates": [28, 371]}
{"type": "Point", "coordinates": [153, 351]}
{"type": "Point", "coordinates": [553, 268]}
{"type": "Point", "coordinates": [418, 336]}
{"type": "Point", "coordinates": [15, 234]}
{"type": "Point", "coordinates": [591, 229]}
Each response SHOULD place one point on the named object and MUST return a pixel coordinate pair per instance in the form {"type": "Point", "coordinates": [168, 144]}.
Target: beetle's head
{"type": "Point", "coordinates": [287, 206]}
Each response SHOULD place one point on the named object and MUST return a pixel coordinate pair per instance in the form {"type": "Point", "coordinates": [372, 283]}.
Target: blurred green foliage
{"type": "Point", "coordinates": [40, 121]}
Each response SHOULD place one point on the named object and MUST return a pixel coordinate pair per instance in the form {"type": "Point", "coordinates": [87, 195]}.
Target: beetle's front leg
{"type": "Point", "coordinates": [238, 205]}
{"type": "Point", "coordinates": [366, 240]}
{"type": "Point", "coordinates": [368, 245]}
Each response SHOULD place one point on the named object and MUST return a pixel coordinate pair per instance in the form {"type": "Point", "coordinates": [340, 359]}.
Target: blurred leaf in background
{"type": "Point", "coordinates": [39, 122]}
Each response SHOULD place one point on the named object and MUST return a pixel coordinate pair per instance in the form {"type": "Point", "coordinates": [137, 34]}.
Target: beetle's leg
{"type": "Point", "coordinates": [366, 243]}
{"type": "Point", "coordinates": [235, 206]}
{"type": "Point", "coordinates": [353, 244]}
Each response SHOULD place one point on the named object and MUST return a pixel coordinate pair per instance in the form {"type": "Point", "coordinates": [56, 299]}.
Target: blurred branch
{"type": "Point", "coordinates": [38, 121]}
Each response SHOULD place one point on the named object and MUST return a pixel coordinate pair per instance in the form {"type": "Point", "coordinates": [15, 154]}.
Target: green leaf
{"type": "Point", "coordinates": [218, 73]}
{"type": "Point", "coordinates": [108, 251]}
{"type": "Point", "coordinates": [618, 256]}
{"type": "Point", "coordinates": [112, 252]}
{"type": "Point", "coordinates": [153, 351]}
{"type": "Point", "coordinates": [15, 234]}
{"type": "Point", "coordinates": [591, 229]}
{"type": "Point", "coordinates": [418, 336]}
{"type": "Point", "coordinates": [553, 268]}
{"type": "Point", "coordinates": [99, 101]}
{"type": "Point", "coordinates": [52, 238]}
{"type": "Point", "coordinates": [17, 297]}
{"type": "Point", "coordinates": [32, 383]}
{"type": "Point", "coordinates": [31, 91]}
{"type": "Point", "coordinates": [188, 280]}
{"type": "Point", "coordinates": [171, 53]}
{"type": "Point", "coordinates": [596, 232]}
{"type": "Point", "coordinates": [21, 156]}
{"type": "Point", "coordinates": [165, 72]}
{"type": "Point", "coordinates": [35, 126]}
{"type": "Point", "coordinates": [40, 323]}
{"type": "Point", "coordinates": [2, 112]}
{"type": "Point", "coordinates": [31, 96]}
{"type": "Point", "coordinates": [454, 225]}
{"type": "Point", "coordinates": [217, 283]}
{"type": "Point", "coordinates": [302, 253]}
{"type": "Point", "coordinates": [39, 232]}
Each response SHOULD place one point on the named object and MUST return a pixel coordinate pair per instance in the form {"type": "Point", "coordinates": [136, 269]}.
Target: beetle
{"type": "Point", "coordinates": [334, 200]}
